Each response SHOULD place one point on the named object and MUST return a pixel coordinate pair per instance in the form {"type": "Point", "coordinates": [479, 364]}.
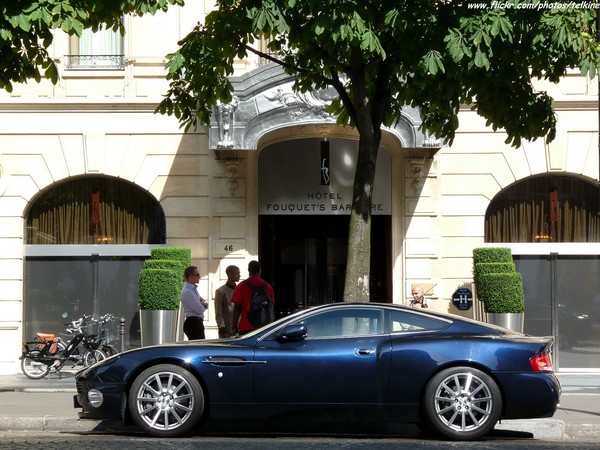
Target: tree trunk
{"type": "Point", "coordinates": [356, 286]}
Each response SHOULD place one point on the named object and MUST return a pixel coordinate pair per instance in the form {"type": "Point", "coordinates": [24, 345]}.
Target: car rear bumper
{"type": "Point", "coordinates": [529, 395]}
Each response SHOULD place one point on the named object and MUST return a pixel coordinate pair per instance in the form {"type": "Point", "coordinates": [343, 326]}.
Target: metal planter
{"type": "Point", "coordinates": [158, 326]}
{"type": "Point", "coordinates": [512, 321]}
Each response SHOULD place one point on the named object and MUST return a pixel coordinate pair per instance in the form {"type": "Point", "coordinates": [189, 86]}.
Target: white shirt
{"type": "Point", "coordinates": [193, 304]}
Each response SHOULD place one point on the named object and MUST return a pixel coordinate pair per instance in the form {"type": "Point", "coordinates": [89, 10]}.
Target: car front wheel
{"type": "Point", "coordinates": [166, 401]}
{"type": "Point", "coordinates": [462, 403]}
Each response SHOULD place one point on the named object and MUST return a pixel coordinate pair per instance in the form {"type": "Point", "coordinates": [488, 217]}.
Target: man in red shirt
{"type": "Point", "coordinates": [242, 298]}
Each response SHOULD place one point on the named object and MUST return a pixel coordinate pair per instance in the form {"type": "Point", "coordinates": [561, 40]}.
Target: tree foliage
{"type": "Point", "coordinates": [382, 55]}
{"type": "Point", "coordinates": [437, 55]}
{"type": "Point", "coordinates": [26, 31]}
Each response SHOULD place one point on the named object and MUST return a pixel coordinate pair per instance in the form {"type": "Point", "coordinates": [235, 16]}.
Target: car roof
{"type": "Point", "coordinates": [429, 312]}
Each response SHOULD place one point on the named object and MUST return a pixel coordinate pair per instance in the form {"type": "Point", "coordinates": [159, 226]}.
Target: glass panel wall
{"type": "Point", "coordinates": [57, 291]}
{"type": "Point", "coordinates": [537, 285]}
{"type": "Point", "coordinates": [562, 298]}
{"type": "Point", "coordinates": [62, 289]}
{"type": "Point", "coordinates": [578, 311]}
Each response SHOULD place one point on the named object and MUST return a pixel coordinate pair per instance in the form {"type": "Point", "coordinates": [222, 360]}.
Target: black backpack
{"type": "Point", "coordinates": [261, 307]}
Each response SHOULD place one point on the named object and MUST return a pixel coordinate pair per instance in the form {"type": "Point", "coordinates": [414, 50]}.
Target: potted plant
{"type": "Point", "coordinates": [160, 282]}
{"type": "Point", "coordinates": [499, 286]}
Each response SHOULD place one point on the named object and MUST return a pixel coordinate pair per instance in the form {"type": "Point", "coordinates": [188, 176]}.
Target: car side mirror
{"type": "Point", "coordinates": [293, 333]}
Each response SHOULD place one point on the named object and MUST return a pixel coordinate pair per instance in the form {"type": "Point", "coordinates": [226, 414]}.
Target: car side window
{"type": "Point", "coordinates": [409, 321]}
{"type": "Point", "coordinates": [344, 323]}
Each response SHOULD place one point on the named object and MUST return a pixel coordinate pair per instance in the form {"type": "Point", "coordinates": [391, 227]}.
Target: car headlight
{"type": "Point", "coordinates": [95, 398]}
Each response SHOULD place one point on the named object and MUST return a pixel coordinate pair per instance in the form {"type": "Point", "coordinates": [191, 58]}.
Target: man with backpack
{"type": "Point", "coordinates": [254, 300]}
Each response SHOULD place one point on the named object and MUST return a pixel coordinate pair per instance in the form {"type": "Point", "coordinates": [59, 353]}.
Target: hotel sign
{"type": "Point", "coordinates": [316, 177]}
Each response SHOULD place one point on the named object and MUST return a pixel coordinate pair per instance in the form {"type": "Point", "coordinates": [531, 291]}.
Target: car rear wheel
{"type": "Point", "coordinates": [462, 403]}
{"type": "Point", "coordinates": [166, 401]}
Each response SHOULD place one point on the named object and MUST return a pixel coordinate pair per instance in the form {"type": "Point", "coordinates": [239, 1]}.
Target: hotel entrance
{"type": "Point", "coordinates": [305, 197]}
{"type": "Point", "coordinates": [305, 259]}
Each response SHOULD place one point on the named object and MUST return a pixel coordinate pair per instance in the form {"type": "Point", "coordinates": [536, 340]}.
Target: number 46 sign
{"type": "Point", "coordinates": [227, 247]}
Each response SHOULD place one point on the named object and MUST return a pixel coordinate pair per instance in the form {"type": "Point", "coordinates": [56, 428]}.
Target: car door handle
{"type": "Point", "coordinates": [364, 351]}
{"type": "Point", "coordinates": [226, 361]}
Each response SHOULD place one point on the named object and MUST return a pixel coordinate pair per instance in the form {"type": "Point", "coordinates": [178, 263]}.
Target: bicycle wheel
{"type": "Point", "coordinates": [109, 350]}
{"type": "Point", "coordinates": [32, 368]}
{"type": "Point", "coordinates": [92, 357]}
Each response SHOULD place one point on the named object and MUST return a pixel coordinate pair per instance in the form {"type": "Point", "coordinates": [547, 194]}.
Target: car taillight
{"type": "Point", "coordinates": [541, 363]}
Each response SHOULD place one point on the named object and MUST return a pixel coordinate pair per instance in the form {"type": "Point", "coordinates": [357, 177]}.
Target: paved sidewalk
{"type": "Point", "coordinates": [47, 404]}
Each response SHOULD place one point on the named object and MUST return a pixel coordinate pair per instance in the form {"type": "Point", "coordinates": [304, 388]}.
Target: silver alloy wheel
{"type": "Point", "coordinates": [165, 401]}
{"type": "Point", "coordinates": [463, 402]}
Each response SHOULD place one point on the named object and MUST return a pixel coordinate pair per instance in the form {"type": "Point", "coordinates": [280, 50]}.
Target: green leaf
{"type": "Point", "coordinates": [51, 73]}
{"type": "Point", "coordinates": [5, 35]}
{"type": "Point", "coordinates": [433, 62]}
{"type": "Point", "coordinates": [24, 23]}
{"type": "Point", "coordinates": [391, 17]}
{"type": "Point", "coordinates": [481, 59]}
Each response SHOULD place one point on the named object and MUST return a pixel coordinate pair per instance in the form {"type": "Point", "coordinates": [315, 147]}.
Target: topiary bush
{"type": "Point", "coordinates": [169, 264]}
{"type": "Point", "coordinates": [159, 289]}
{"type": "Point", "coordinates": [491, 267]}
{"type": "Point", "coordinates": [182, 254]}
{"type": "Point", "coordinates": [492, 255]}
{"type": "Point", "coordinates": [497, 283]}
{"type": "Point", "coordinates": [502, 292]}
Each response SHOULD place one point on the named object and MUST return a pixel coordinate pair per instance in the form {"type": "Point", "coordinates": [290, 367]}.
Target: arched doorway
{"type": "Point", "coordinates": [87, 239]}
{"type": "Point", "coordinates": [305, 193]}
{"type": "Point", "coordinates": [552, 224]}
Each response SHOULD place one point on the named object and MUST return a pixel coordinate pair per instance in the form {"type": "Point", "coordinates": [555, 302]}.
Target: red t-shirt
{"type": "Point", "coordinates": [243, 296]}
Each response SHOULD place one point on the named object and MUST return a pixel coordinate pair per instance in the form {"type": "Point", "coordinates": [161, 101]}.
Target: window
{"type": "Point", "coordinates": [102, 50]}
{"type": "Point", "coordinates": [545, 209]}
{"type": "Point", "coordinates": [344, 323]}
{"type": "Point", "coordinates": [408, 321]}
{"type": "Point", "coordinates": [96, 210]}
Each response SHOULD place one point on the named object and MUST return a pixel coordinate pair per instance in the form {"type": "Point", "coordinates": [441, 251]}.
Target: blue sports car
{"type": "Point", "coordinates": [378, 362]}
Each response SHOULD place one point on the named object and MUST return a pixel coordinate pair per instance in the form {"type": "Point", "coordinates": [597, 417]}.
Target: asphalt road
{"type": "Point", "coordinates": [36, 440]}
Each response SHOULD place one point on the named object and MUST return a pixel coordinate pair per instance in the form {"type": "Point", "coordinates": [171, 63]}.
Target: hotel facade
{"type": "Point", "coordinates": [91, 179]}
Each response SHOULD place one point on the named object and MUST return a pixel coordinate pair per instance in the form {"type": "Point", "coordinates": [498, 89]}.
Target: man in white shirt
{"type": "Point", "coordinates": [194, 305]}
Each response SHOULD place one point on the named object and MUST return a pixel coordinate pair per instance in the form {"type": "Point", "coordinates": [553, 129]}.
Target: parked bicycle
{"type": "Point", "coordinates": [107, 334]}
{"type": "Point", "coordinates": [48, 352]}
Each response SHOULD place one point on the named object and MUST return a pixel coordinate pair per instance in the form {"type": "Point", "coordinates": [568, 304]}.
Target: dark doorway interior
{"type": "Point", "coordinates": [304, 258]}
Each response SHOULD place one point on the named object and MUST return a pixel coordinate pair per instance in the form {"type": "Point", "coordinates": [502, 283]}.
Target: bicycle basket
{"type": "Point", "coordinates": [108, 334]}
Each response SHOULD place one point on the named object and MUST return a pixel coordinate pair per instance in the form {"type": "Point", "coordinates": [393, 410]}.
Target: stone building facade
{"type": "Point", "coordinates": [223, 191]}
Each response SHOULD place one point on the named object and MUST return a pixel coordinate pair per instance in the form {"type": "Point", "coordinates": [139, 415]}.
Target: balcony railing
{"type": "Point", "coordinates": [94, 62]}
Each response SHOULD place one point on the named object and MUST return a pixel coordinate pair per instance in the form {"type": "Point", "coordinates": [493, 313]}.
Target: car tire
{"type": "Point", "coordinates": [166, 401]}
{"type": "Point", "coordinates": [462, 403]}
{"type": "Point", "coordinates": [34, 369]}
